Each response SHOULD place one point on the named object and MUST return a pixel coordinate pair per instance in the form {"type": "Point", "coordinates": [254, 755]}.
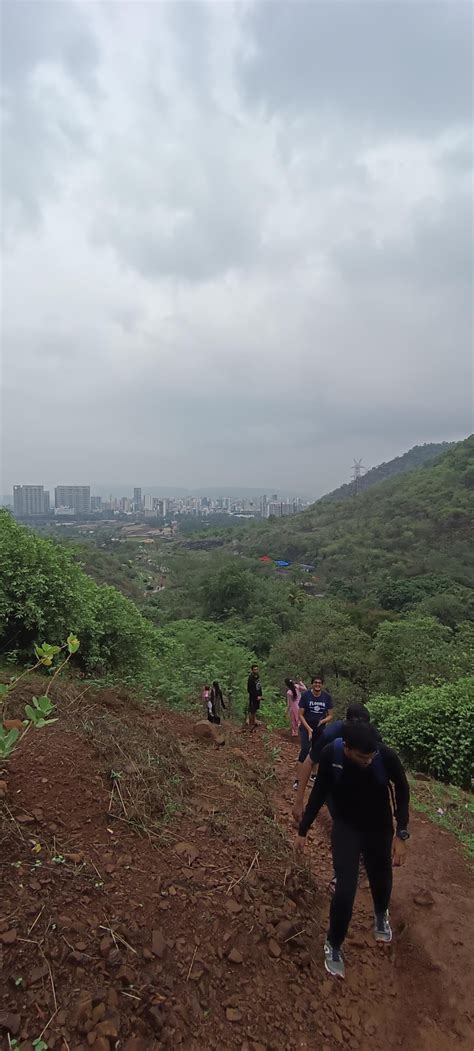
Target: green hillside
{"type": "Point", "coordinates": [389, 607]}
{"type": "Point", "coordinates": [405, 541]}
{"type": "Point", "coordinates": [415, 457]}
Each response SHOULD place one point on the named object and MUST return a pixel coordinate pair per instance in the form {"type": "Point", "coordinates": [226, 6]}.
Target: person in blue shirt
{"type": "Point", "coordinates": [315, 710]}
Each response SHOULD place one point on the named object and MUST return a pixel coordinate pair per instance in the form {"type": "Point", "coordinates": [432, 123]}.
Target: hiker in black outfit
{"type": "Point", "coordinates": [355, 710]}
{"type": "Point", "coordinates": [357, 772]}
{"type": "Point", "coordinates": [216, 703]}
{"type": "Point", "coordinates": [254, 690]}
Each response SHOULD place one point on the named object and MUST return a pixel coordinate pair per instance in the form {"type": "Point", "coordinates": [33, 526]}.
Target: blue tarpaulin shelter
{"type": "Point", "coordinates": [281, 563]}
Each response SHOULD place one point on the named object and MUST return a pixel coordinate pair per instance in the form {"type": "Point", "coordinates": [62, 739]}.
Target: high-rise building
{"type": "Point", "coordinates": [30, 500]}
{"type": "Point", "coordinates": [76, 498]}
{"type": "Point", "coordinates": [137, 499]}
{"type": "Point", "coordinates": [96, 503]}
{"type": "Point", "coordinates": [148, 503]}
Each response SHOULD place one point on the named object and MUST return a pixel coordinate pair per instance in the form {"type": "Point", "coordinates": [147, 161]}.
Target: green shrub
{"type": "Point", "coordinates": [432, 728]}
{"type": "Point", "coordinates": [44, 593]}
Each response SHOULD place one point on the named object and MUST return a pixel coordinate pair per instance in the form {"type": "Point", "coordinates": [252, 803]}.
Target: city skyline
{"type": "Point", "coordinates": [33, 501]}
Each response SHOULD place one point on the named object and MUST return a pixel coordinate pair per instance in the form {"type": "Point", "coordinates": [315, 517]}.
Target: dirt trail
{"type": "Point", "coordinates": [201, 931]}
{"type": "Point", "coordinates": [418, 992]}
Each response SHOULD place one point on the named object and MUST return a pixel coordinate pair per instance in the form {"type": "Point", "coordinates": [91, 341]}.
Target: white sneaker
{"type": "Point", "coordinates": [382, 928]}
{"type": "Point", "coordinates": [334, 961]}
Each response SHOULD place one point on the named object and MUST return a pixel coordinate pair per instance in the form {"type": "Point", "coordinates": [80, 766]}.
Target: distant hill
{"type": "Point", "coordinates": [414, 527]}
{"type": "Point", "coordinates": [415, 457]}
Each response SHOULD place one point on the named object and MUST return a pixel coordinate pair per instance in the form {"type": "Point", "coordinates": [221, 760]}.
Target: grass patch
{"type": "Point", "coordinates": [447, 806]}
{"type": "Point", "coordinates": [146, 768]}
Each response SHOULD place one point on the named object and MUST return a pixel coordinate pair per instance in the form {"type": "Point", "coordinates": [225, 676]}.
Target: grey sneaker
{"type": "Point", "coordinates": [334, 961]}
{"type": "Point", "coordinates": [382, 928]}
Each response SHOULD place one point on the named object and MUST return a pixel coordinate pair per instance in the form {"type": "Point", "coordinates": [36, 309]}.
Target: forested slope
{"type": "Point", "coordinates": [406, 540]}
{"type": "Point", "coordinates": [415, 457]}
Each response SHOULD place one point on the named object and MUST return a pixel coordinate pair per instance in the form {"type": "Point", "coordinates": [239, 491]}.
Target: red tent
{"type": "Point", "coordinates": [265, 558]}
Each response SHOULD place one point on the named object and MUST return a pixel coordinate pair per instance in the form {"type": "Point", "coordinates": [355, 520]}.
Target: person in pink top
{"type": "Point", "coordinates": [293, 694]}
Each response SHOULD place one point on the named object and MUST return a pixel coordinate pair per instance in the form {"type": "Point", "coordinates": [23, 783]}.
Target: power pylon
{"type": "Point", "coordinates": [357, 469]}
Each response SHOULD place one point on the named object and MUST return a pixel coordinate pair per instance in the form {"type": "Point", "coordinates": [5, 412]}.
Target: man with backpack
{"type": "Point", "coordinates": [357, 772]}
{"type": "Point", "coordinates": [355, 711]}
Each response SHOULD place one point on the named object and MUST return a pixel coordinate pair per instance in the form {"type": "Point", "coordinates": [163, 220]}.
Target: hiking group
{"type": "Point", "coordinates": [364, 786]}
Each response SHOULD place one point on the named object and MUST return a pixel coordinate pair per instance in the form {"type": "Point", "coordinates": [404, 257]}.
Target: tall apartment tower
{"type": "Point", "coordinates": [76, 497]}
{"type": "Point", "coordinates": [29, 500]}
{"type": "Point", "coordinates": [137, 499]}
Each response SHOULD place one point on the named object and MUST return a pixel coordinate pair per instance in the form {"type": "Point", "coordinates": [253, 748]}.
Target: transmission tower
{"type": "Point", "coordinates": [357, 468]}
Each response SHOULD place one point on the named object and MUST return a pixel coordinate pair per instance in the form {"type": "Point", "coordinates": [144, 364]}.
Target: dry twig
{"type": "Point", "coordinates": [234, 882]}
{"type": "Point", "coordinates": [191, 964]}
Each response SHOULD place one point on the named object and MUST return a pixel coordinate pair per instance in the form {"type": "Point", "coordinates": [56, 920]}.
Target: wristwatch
{"type": "Point", "coordinates": [403, 834]}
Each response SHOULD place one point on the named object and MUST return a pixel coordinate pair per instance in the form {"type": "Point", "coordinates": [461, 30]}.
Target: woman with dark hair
{"type": "Point", "coordinates": [216, 703]}
{"type": "Point", "coordinates": [292, 699]}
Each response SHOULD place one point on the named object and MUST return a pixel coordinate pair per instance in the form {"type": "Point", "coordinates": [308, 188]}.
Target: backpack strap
{"type": "Point", "coordinates": [378, 766]}
{"type": "Point", "coordinates": [338, 758]}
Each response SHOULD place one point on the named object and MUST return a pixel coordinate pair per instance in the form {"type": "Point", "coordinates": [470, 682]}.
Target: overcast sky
{"type": "Point", "coordinates": [238, 239]}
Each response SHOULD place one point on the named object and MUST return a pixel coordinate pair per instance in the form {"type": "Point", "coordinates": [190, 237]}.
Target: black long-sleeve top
{"type": "Point", "coordinates": [254, 688]}
{"type": "Point", "coordinates": [358, 795]}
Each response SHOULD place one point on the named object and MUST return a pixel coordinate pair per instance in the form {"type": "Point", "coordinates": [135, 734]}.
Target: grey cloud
{"type": "Point", "coordinates": [436, 255]}
{"type": "Point", "coordinates": [34, 33]}
{"type": "Point", "coordinates": [232, 292]}
{"type": "Point", "coordinates": [42, 131]}
{"type": "Point", "coordinates": [382, 62]}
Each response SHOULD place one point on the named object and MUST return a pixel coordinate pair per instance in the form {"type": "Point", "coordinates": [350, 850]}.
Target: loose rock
{"type": "Point", "coordinates": [233, 1014]}
{"type": "Point", "coordinates": [158, 944]}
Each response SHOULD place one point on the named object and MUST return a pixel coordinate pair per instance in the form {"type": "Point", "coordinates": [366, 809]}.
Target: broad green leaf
{"type": "Point", "coordinates": [72, 643]}
{"type": "Point", "coordinates": [44, 704]}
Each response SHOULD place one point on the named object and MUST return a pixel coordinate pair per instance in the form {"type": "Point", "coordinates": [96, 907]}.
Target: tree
{"type": "Point", "coordinates": [412, 650]}
{"type": "Point", "coordinates": [327, 641]}
{"type": "Point", "coordinates": [228, 591]}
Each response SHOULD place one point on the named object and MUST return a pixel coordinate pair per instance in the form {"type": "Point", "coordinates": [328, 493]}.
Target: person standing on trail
{"type": "Point", "coordinates": [293, 699]}
{"type": "Point", "coordinates": [357, 772]}
{"type": "Point", "coordinates": [254, 690]}
{"type": "Point", "coordinates": [216, 702]}
{"type": "Point", "coordinates": [315, 712]}
{"type": "Point", "coordinates": [355, 711]}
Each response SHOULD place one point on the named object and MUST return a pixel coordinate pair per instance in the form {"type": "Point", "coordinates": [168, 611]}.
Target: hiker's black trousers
{"type": "Point", "coordinates": [348, 845]}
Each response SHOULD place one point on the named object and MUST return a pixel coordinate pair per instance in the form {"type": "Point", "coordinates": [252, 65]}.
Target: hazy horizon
{"type": "Point", "coordinates": [117, 489]}
{"type": "Point", "coordinates": [237, 240]}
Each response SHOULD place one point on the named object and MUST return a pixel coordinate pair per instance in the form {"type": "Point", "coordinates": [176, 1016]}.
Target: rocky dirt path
{"type": "Point", "coordinates": [199, 929]}
{"type": "Point", "coordinates": [418, 992]}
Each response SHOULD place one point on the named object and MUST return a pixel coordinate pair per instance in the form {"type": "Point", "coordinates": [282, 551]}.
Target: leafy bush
{"type": "Point", "coordinates": [39, 712]}
{"type": "Point", "coordinates": [432, 728]}
{"type": "Point", "coordinates": [44, 593]}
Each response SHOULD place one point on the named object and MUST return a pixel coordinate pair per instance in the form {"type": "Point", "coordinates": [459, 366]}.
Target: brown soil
{"type": "Point", "coordinates": [163, 907]}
